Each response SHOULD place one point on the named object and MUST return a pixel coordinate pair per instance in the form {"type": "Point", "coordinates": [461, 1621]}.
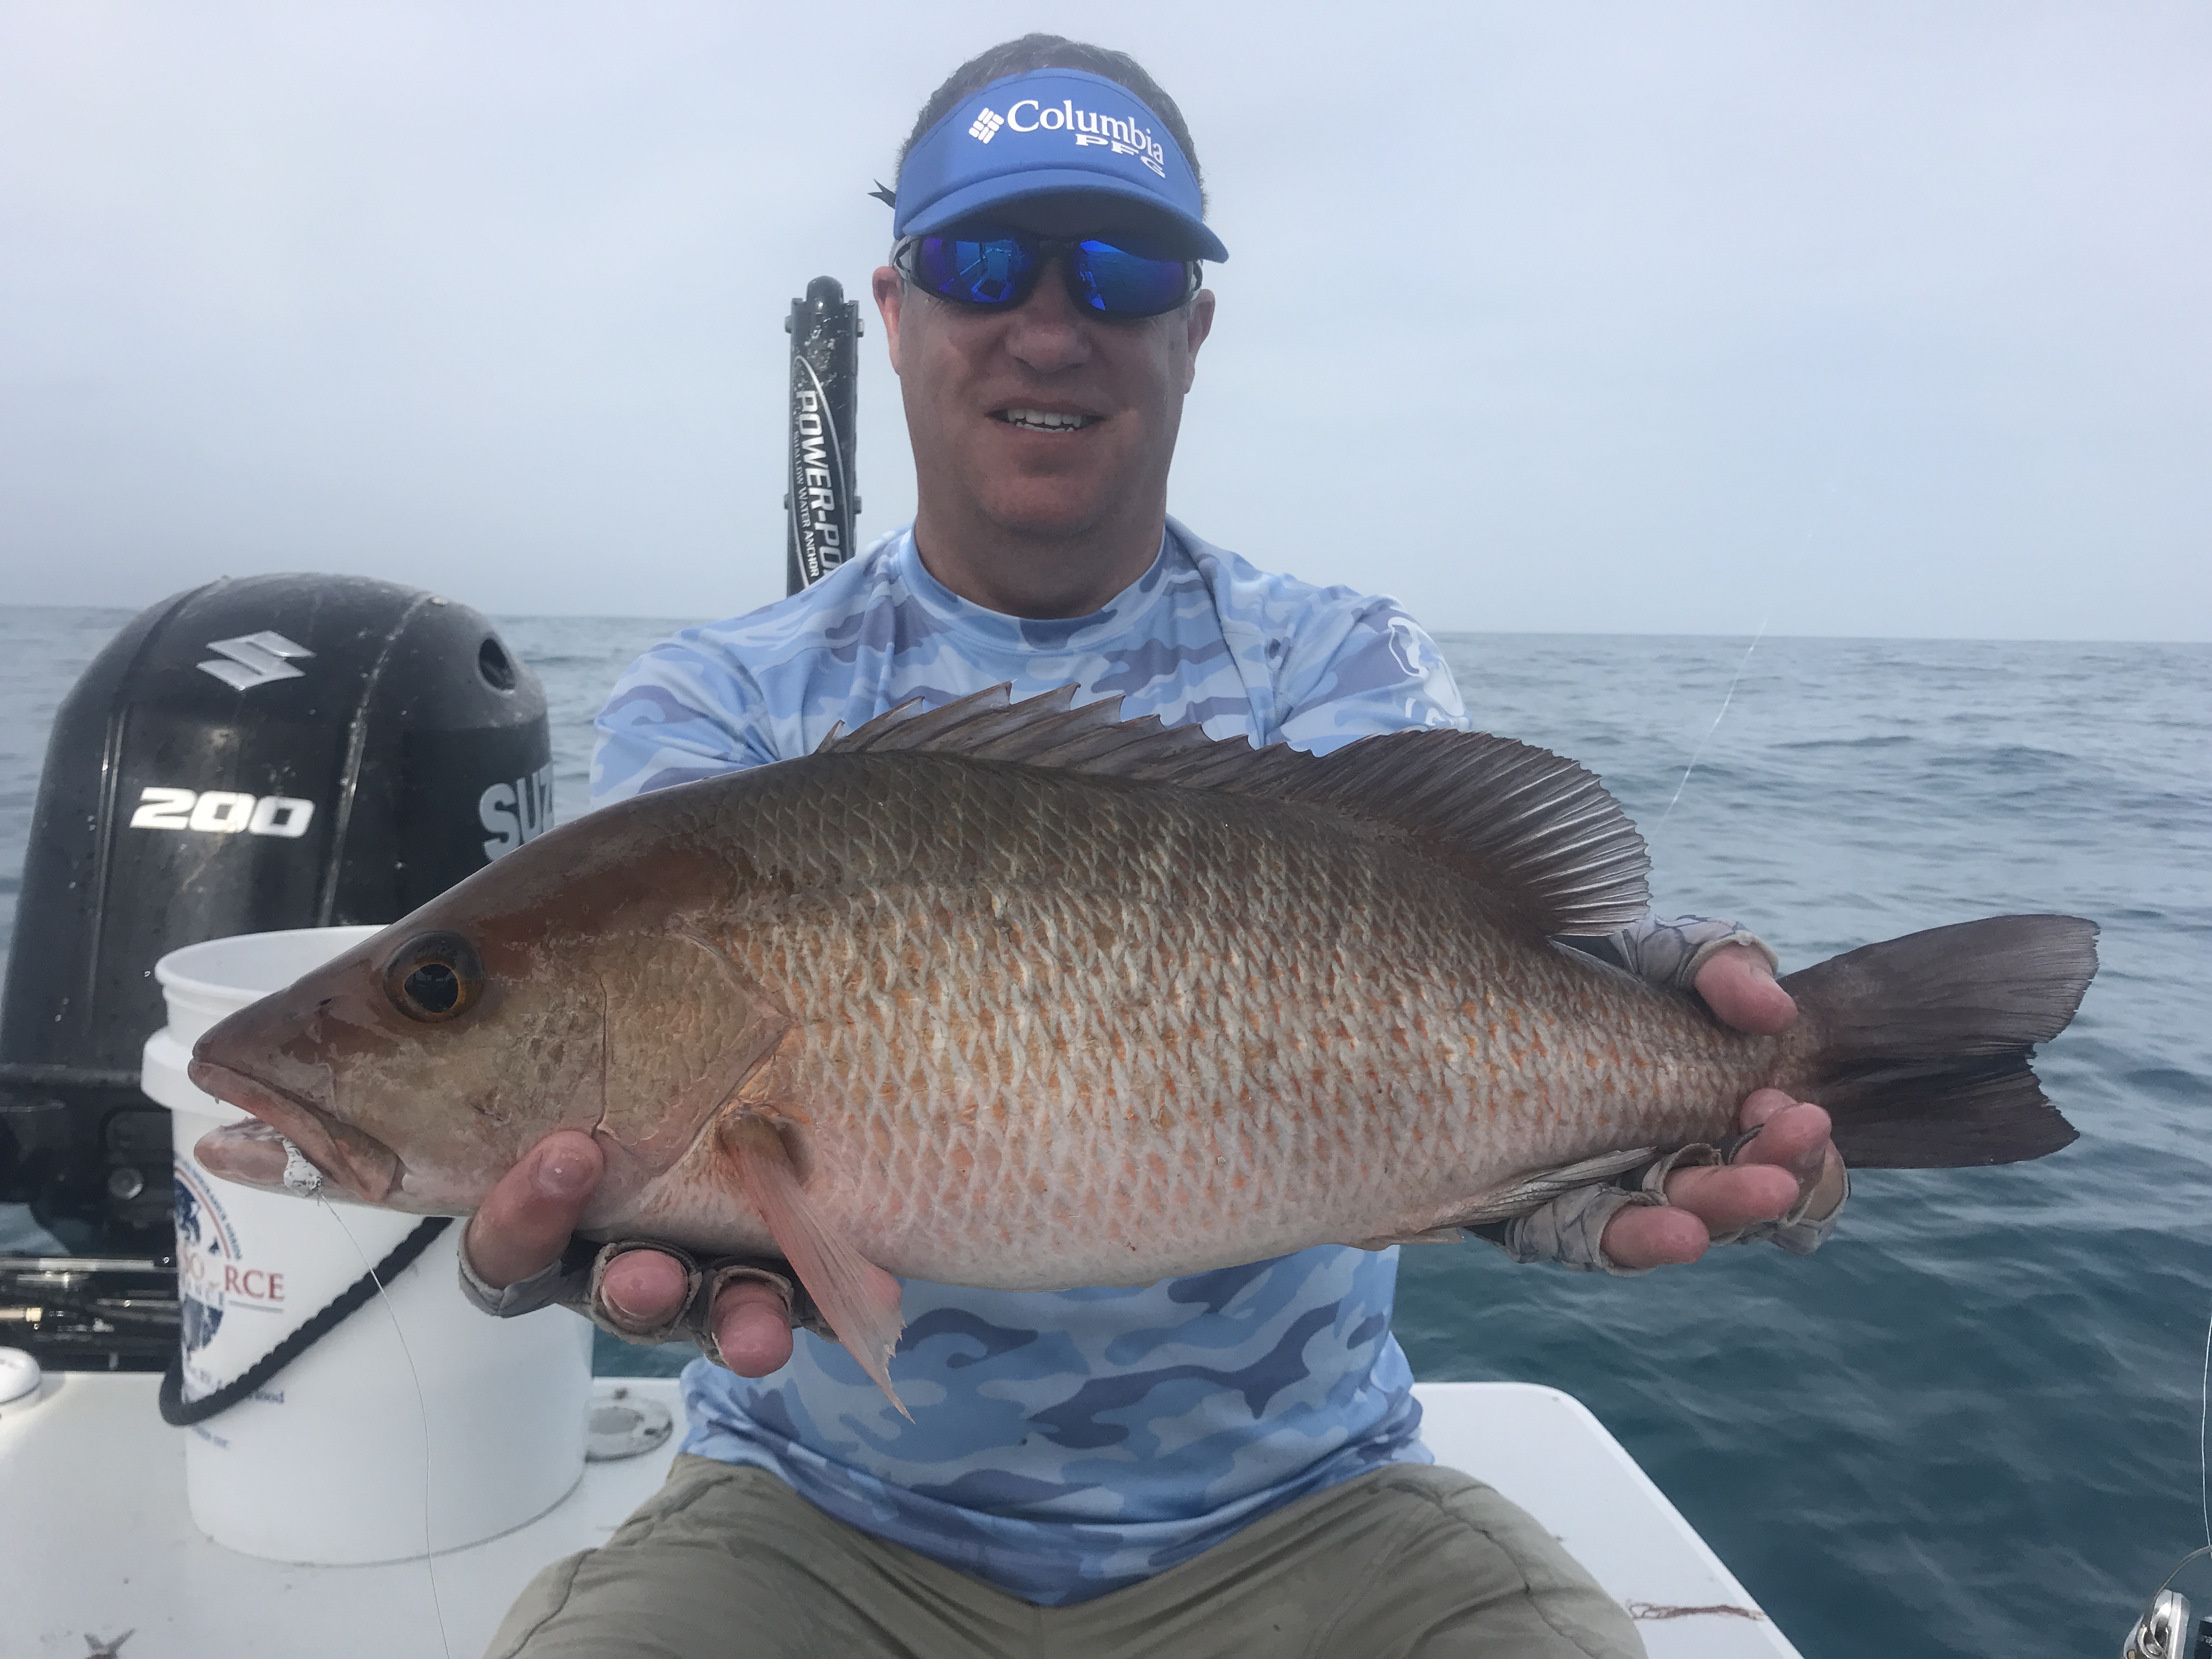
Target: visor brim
{"type": "Point", "coordinates": [1065, 190]}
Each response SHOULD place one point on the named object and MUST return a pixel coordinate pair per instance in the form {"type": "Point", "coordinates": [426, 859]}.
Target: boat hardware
{"type": "Point", "coordinates": [180, 1413]}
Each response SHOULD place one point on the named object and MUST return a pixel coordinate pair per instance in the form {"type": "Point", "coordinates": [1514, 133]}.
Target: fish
{"type": "Point", "coordinates": [1025, 996]}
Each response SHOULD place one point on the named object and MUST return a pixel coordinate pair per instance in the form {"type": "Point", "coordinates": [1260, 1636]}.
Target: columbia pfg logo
{"type": "Point", "coordinates": [1085, 126]}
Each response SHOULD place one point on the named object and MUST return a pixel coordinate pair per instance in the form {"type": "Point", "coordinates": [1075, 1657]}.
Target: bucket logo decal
{"type": "Point", "coordinates": [212, 1276]}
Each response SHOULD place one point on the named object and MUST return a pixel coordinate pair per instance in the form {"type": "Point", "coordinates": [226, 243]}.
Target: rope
{"type": "Point", "coordinates": [180, 1413]}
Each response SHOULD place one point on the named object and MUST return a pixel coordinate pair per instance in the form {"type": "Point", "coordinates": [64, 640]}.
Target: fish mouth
{"type": "Point", "coordinates": [261, 1156]}
{"type": "Point", "coordinates": [359, 1162]}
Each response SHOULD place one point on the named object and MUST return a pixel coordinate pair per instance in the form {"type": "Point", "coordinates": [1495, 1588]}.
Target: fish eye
{"type": "Point", "coordinates": [435, 977]}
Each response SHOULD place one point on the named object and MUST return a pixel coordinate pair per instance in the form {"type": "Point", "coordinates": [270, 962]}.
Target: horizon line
{"type": "Point", "coordinates": [1440, 633]}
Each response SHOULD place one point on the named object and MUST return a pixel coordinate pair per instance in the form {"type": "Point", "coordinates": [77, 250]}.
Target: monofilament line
{"type": "Point", "coordinates": [1698, 754]}
{"type": "Point", "coordinates": [423, 1410]}
{"type": "Point", "coordinates": [2204, 1411]}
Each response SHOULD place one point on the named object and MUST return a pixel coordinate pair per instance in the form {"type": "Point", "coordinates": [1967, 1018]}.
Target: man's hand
{"type": "Point", "coordinates": [524, 1224]}
{"type": "Point", "coordinates": [1770, 1175]}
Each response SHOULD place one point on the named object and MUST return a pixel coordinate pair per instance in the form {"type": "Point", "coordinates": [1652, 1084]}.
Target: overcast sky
{"type": "Point", "coordinates": [1852, 318]}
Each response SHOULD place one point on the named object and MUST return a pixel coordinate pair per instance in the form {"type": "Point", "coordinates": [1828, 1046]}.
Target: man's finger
{"type": "Point", "coordinates": [752, 1325]}
{"type": "Point", "coordinates": [1650, 1236]}
{"type": "Point", "coordinates": [1761, 1104]}
{"type": "Point", "coordinates": [643, 1290]}
{"type": "Point", "coordinates": [1738, 987]}
{"type": "Point", "coordinates": [1726, 1197]}
{"type": "Point", "coordinates": [1794, 1135]}
{"type": "Point", "coordinates": [524, 1221]}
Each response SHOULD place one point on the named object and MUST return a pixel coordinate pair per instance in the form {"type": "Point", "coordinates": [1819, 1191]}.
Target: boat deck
{"type": "Point", "coordinates": [95, 1540]}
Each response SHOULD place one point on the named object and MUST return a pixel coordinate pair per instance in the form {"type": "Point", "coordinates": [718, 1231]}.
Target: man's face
{"type": "Point", "coordinates": [1044, 419]}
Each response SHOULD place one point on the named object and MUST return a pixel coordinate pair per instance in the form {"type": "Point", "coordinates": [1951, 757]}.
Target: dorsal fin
{"type": "Point", "coordinates": [1534, 827]}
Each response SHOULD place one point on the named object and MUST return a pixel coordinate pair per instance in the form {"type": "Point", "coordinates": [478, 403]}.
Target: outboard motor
{"type": "Point", "coordinates": [267, 752]}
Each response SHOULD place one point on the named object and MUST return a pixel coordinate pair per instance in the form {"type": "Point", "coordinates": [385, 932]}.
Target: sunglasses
{"type": "Point", "coordinates": [998, 270]}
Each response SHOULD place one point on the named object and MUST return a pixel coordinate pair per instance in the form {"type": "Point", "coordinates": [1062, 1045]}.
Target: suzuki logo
{"type": "Point", "coordinates": [255, 659]}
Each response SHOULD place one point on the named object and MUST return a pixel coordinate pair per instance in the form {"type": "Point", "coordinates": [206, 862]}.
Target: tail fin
{"type": "Point", "coordinates": [1924, 1063]}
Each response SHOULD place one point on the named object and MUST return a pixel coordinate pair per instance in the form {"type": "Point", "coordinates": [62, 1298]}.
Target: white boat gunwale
{"type": "Point", "coordinates": [95, 1537]}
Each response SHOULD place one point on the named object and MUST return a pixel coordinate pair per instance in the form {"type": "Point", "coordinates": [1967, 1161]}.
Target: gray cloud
{"type": "Point", "coordinates": [1883, 318]}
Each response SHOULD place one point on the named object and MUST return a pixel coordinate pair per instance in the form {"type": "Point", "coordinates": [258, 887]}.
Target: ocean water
{"type": "Point", "coordinates": [1969, 1426]}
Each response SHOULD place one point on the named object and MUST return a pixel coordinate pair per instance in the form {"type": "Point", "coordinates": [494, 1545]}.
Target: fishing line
{"type": "Point", "coordinates": [2204, 1411]}
{"type": "Point", "coordinates": [422, 1412]}
{"type": "Point", "coordinates": [1813, 520]}
{"type": "Point", "coordinates": [1698, 754]}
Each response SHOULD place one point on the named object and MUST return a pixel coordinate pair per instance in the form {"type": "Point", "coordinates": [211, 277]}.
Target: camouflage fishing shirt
{"type": "Point", "coordinates": [1065, 1443]}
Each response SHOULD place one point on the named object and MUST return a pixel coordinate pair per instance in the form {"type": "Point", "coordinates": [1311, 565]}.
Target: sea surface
{"type": "Point", "coordinates": [1970, 1424]}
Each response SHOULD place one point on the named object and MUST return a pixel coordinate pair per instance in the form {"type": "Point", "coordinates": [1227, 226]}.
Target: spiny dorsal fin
{"type": "Point", "coordinates": [1536, 828]}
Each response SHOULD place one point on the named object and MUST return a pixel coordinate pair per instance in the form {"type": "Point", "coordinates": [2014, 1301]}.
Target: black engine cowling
{"type": "Point", "coordinates": [268, 752]}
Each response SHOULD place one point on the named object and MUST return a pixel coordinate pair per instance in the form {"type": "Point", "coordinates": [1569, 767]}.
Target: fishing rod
{"type": "Point", "coordinates": [819, 501]}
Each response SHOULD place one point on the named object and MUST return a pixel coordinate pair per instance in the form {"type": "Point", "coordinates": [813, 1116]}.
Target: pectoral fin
{"type": "Point", "coordinates": [859, 1299]}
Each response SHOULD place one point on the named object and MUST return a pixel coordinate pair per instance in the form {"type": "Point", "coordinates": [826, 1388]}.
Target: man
{"type": "Point", "coordinates": [1226, 1463]}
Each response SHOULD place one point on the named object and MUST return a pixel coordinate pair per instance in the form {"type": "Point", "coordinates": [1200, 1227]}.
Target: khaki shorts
{"type": "Point", "coordinates": [1407, 1562]}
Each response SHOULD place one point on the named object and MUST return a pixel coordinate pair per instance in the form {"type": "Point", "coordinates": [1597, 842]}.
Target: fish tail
{"type": "Point", "coordinates": [1925, 1041]}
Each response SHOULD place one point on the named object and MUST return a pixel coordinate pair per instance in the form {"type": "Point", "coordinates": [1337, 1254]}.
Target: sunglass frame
{"type": "Point", "coordinates": [1047, 252]}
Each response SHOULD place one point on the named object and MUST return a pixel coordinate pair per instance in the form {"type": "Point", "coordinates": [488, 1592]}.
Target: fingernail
{"type": "Point", "coordinates": [563, 1174]}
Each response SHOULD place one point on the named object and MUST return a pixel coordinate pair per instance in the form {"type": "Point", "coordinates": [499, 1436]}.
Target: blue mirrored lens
{"type": "Point", "coordinates": [998, 272]}
{"type": "Point", "coordinates": [1002, 269]}
{"type": "Point", "coordinates": [1120, 283]}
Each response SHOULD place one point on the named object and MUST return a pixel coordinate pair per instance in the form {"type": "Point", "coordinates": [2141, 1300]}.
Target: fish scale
{"type": "Point", "coordinates": [1271, 992]}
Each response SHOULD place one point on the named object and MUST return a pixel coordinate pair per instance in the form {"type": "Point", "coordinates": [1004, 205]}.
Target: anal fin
{"type": "Point", "coordinates": [1426, 1235]}
{"type": "Point", "coordinates": [859, 1299]}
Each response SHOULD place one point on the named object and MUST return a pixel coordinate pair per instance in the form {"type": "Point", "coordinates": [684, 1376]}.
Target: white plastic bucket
{"type": "Point", "coordinates": [418, 1423]}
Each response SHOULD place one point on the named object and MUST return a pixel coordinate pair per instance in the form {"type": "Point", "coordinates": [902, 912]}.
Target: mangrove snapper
{"type": "Point", "coordinates": [1025, 997]}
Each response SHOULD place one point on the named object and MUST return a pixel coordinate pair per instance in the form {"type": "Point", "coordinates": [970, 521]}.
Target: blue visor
{"type": "Point", "coordinates": [1055, 133]}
